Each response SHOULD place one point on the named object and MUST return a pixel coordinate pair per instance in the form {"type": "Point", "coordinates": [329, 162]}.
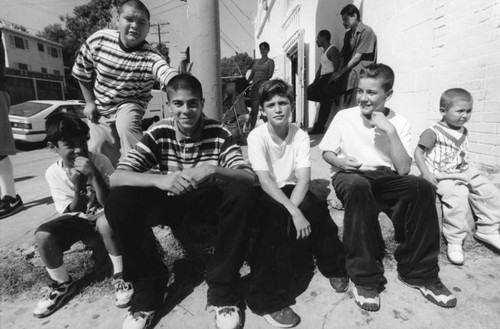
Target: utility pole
{"type": "Point", "coordinates": [159, 25]}
{"type": "Point", "coordinates": [204, 46]}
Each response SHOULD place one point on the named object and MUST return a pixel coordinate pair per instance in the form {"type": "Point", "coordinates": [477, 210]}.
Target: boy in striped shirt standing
{"type": "Point", "coordinates": [442, 157]}
{"type": "Point", "coordinates": [116, 70]}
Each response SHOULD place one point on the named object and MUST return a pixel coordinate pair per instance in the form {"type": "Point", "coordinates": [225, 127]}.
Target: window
{"type": "Point", "coordinates": [18, 42]}
{"type": "Point", "coordinates": [22, 66]}
{"type": "Point", "coordinates": [53, 52]}
{"type": "Point", "coordinates": [57, 72]}
{"type": "Point", "coordinates": [41, 47]}
{"type": "Point", "coordinates": [44, 70]}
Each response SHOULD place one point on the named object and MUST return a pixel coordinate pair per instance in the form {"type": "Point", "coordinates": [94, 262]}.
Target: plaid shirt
{"type": "Point", "coordinates": [164, 145]}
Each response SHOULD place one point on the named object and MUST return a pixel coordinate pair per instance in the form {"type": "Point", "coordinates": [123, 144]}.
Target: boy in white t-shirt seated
{"type": "Point", "coordinates": [294, 219]}
{"type": "Point", "coordinates": [369, 149]}
{"type": "Point", "coordinates": [79, 185]}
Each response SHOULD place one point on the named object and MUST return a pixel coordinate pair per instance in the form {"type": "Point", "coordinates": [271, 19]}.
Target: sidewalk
{"type": "Point", "coordinates": [475, 284]}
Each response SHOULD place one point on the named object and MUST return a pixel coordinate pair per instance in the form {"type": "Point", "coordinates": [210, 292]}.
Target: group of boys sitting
{"type": "Point", "coordinates": [203, 173]}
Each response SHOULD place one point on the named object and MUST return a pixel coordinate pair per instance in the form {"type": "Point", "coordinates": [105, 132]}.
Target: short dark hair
{"type": "Point", "coordinates": [453, 94]}
{"type": "Point", "coordinates": [379, 70]}
{"type": "Point", "coordinates": [274, 87]}
{"type": "Point", "coordinates": [325, 34]}
{"type": "Point", "coordinates": [185, 82]}
{"type": "Point", "coordinates": [264, 44]}
{"type": "Point", "coordinates": [137, 4]}
{"type": "Point", "coordinates": [64, 126]}
{"type": "Point", "coordinates": [350, 10]}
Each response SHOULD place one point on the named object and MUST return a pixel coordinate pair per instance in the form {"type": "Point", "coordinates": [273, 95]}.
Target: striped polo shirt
{"type": "Point", "coordinates": [446, 149]}
{"type": "Point", "coordinates": [165, 146]}
{"type": "Point", "coordinates": [120, 73]}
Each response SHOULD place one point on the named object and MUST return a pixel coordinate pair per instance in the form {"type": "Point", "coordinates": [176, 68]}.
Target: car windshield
{"type": "Point", "coordinates": [28, 109]}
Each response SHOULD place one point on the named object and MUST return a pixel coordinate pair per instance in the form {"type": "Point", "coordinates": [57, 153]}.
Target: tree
{"type": "Point", "coordinates": [85, 20]}
{"type": "Point", "coordinates": [236, 65]}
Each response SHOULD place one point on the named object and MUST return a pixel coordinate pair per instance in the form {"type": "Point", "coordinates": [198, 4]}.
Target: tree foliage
{"type": "Point", "coordinates": [236, 65]}
{"type": "Point", "coordinates": [164, 51]}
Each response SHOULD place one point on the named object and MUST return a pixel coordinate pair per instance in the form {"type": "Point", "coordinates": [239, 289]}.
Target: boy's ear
{"type": "Point", "coordinates": [442, 110]}
{"type": "Point", "coordinates": [389, 93]}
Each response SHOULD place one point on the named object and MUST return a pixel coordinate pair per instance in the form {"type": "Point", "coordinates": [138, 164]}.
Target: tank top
{"type": "Point", "coordinates": [260, 71]}
{"type": "Point", "coordinates": [326, 64]}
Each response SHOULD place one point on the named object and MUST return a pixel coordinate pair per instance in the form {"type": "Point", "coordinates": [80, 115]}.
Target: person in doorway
{"type": "Point", "coordinates": [319, 89]}
{"type": "Point", "coordinates": [116, 70]}
{"type": "Point", "coordinates": [262, 70]}
{"type": "Point", "coordinates": [358, 51]}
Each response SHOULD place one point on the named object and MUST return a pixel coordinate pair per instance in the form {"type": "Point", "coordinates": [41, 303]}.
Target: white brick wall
{"type": "Point", "coordinates": [433, 45]}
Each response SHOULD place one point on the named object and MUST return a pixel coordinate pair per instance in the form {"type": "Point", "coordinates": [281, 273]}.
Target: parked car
{"type": "Point", "coordinates": [28, 119]}
{"type": "Point", "coordinates": [156, 109]}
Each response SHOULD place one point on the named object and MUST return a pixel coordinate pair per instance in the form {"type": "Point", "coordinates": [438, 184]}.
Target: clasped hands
{"type": "Point", "coordinates": [182, 182]}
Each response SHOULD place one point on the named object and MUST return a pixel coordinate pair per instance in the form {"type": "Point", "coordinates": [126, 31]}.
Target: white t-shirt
{"type": "Point", "coordinates": [351, 135]}
{"type": "Point", "coordinates": [281, 160]}
{"type": "Point", "coordinates": [63, 190]}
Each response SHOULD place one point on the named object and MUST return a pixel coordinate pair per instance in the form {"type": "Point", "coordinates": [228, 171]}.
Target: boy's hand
{"type": "Point", "coordinates": [91, 112]}
{"type": "Point", "coordinates": [84, 166]}
{"type": "Point", "coordinates": [350, 163]}
{"type": "Point", "coordinates": [174, 184]}
{"type": "Point", "coordinates": [430, 178]}
{"type": "Point", "coordinates": [197, 175]}
{"type": "Point", "coordinates": [78, 179]}
{"type": "Point", "coordinates": [301, 225]}
{"type": "Point", "coordinates": [380, 121]}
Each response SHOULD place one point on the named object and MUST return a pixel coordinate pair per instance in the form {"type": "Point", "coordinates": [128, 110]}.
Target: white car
{"type": "Point", "coordinates": [28, 119]}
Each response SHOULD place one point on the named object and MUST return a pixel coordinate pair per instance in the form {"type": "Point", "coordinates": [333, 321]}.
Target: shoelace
{"type": "Point", "coordinates": [121, 285]}
{"type": "Point", "coordinates": [227, 310]}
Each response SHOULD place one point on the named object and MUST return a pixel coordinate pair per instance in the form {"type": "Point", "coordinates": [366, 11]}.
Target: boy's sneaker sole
{"type": "Point", "coordinates": [431, 293]}
{"type": "Point", "coordinates": [367, 298]}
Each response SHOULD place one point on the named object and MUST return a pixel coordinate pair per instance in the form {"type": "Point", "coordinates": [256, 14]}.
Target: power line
{"type": "Point", "coordinates": [170, 9]}
{"type": "Point", "coordinates": [162, 5]}
{"type": "Point", "coordinates": [159, 25]}
{"type": "Point", "coordinates": [227, 43]}
{"type": "Point", "coordinates": [230, 12]}
{"type": "Point", "coordinates": [227, 37]}
{"type": "Point", "coordinates": [241, 11]}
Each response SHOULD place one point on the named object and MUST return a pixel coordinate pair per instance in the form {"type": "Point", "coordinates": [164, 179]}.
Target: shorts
{"type": "Point", "coordinates": [69, 229]}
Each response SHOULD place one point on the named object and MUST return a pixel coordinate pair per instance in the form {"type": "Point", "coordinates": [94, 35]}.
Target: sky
{"type": "Point", "coordinates": [236, 21]}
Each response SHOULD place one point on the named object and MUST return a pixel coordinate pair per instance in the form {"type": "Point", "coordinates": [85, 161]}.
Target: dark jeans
{"type": "Point", "coordinates": [325, 104]}
{"type": "Point", "coordinates": [410, 203]}
{"type": "Point", "coordinates": [277, 250]}
{"type": "Point", "coordinates": [132, 211]}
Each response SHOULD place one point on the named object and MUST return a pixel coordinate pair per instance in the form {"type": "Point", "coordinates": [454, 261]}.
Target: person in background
{"type": "Point", "coordinates": [329, 63]}
{"type": "Point", "coordinates": [10, 202]}
{"type": "Point", "coordinates": [185, 65]}
{"type": "Point", "coordinates": [262, 70]}
{"type": "Point", "coordinates": [358, 51]}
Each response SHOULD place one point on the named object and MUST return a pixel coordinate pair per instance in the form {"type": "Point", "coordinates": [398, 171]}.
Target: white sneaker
{"type": "Point", "coordinates": [138, 320]}
{"type": "Point", "coordinates": [57, 294]}
{"type": "Point", "coordinates": [492, 240]}
{"type": "Point", "coordinates": [123, 292]}
{"type": "Point", "coordinates": [455, 254]}
{"type": "Point", "coordinates": [227, 317]}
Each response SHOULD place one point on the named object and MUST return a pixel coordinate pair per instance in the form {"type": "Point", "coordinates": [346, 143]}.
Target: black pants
{"type": "Point", "coordinates": [325, 104]}
{"type": "Point", "coordinates": [278, 252]}
{"type": "Point", "coordinates": [132, 211]}
{"type": "Point", "coordinates": [410, 203]}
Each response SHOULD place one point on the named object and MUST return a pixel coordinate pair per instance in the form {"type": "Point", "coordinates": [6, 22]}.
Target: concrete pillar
{"type": "Point", "coordinates": [204, 47]}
